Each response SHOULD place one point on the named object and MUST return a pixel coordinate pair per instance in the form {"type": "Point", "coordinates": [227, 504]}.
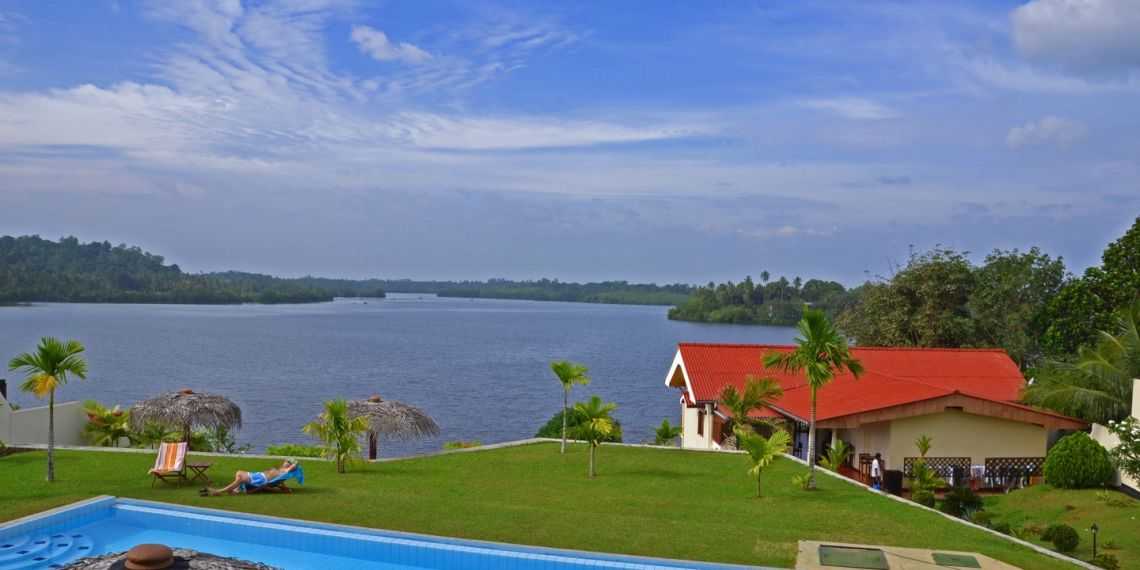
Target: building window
{"type": "Point", "coordinates": [700, 423]}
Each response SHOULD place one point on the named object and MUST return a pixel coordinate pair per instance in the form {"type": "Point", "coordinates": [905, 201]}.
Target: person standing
{"type": "Point", "coordinates": [877, 472]}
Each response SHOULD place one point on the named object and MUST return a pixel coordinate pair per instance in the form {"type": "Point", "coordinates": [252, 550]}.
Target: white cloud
{"type": "Point", "coordinates": [1051, 130]}
{"type": "Point", "coordinates": [855, 108]}
{"type": "Point", "coordinates": [1096, 35]}
{"type": "Point", "coordinates": [375, 43]}
{"type": "Point", "coordinates": [497, 133]}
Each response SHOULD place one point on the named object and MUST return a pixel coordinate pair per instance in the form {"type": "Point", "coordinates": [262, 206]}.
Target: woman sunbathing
{"type": "Point", "coordinates": [255, 479]}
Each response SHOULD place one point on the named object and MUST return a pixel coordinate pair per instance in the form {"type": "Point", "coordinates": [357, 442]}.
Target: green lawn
{"type": "Point", "coordinates": [1043, 505]}
{"type": "Point", "coordinates": [651, 502]}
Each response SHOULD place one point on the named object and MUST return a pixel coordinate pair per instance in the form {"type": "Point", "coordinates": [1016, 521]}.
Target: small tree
{"type": "Point", "coordinates": [568, 374]}
{"type": "Point", "coordinates": [1126, 455]}
{"type": "Point", "coordinates": [596, 425]}
{"type": "Point", "coordinates": [48, 368]}
{"type": "Point", "coordinates": [762, 451]}
{"type": "Point", "coordinates": [338, 431]}
{"type": "Point", "coordinates": [924, 480]}
{"type": "Point", "coordinates": [667, 433]}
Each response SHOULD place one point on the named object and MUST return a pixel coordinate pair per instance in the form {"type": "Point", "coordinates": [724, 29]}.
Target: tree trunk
{"type": "Point", "coordinates": [565, 404]}
{"type": "Point", "coordinates": [758, 485]}
{"type": "Point", "coordinates": [811, 444]}
{"type": "Point", "coordinates": [372, 445]}
{"type": "Point", "coordinates": [51, 436]}
{"type": "Point", "coordinates": [593, 449]}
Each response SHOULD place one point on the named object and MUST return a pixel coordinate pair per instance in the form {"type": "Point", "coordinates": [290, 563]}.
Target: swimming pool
{"type": "Point", "coordinates": [109, 524]}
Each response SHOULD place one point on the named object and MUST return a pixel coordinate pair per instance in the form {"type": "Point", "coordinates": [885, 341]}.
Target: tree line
{"type": "Point", "coordinates": [770, 302]}
{"type": "Point", "coordinates": [33, 269]}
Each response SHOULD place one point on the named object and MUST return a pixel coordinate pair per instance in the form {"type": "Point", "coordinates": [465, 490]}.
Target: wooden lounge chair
{"type": "Point", "coordinates": [170, 465]}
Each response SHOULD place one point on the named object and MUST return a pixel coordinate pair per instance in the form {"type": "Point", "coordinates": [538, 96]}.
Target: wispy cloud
{"type": "Point", "coordinates": [855, 108]}
{"type": "Point", "coordinates": [1051, 130]}
{"type": "Point", "coordinates": [375, 43]}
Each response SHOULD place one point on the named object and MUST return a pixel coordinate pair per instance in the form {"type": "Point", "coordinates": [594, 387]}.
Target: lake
{"type": "Point", "coordinates": [480, 367]}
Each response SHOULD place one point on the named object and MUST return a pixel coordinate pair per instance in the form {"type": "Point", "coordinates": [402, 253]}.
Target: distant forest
{"type": "Point", "coordinates": [619, 292]}
{"type": "Point", "coordinates": [770, 302]}
{"type": "Point", "coordinates": [33, 269]}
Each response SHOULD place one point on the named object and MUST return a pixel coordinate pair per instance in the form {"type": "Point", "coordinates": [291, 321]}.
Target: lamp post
{"type": "Point", "coordinates": [1095, 529]}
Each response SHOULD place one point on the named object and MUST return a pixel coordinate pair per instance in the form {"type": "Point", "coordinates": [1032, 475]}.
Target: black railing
{"type": "Point", "coordinates": [1011, 472]}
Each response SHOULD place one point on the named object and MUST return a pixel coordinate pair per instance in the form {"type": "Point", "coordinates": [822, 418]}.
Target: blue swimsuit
{"type": "Point", "coordinates": [257, 479]}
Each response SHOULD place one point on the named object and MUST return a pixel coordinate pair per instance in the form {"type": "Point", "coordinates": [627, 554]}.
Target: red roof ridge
{"type": "Point", "coordinates": [858, 347]}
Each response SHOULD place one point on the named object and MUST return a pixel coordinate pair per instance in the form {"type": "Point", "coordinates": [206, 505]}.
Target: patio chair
{"type": "Point", "coordinates": [277, 484]}
{"type": "Point", "coordinates": [170, 464]}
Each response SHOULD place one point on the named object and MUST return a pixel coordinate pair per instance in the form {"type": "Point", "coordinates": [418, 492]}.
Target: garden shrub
{"type": "Point", "coordinates": [1047, 534]}
{"type": "Point", "coordinates": [923, 497]}
{"type": "Point", "coordinates": [553, 428]}
{"type": "Point", "coordinates": [1065, 538]}
{"type": "Point", "coordinates": [1106, 560]}
{"type": "Point", "coordinates": [462, 444]}
{"type": "Point", "coordinates": [1003, 527]}
{"type": "Point", "coordinates": [961, 501]}
{"type": "Point", "coordinates": [1077, 462]}
{"type": "Point", "coordinates": [984, 518]}
{"type": "Point", "coordinates": [294, 450]}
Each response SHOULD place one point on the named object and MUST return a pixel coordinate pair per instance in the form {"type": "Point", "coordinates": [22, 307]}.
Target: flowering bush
{"type": "Point", "coordinates": [1127, 454]}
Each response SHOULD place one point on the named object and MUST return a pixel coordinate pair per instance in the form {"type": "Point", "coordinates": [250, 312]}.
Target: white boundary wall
{"type": "Point", "coordinates": [1109, 439]}
{"type": "Point", "coordinates": [30, 425]}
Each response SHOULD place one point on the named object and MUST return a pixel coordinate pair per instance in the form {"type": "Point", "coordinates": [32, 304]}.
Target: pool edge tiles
{"type": "Point", "coordinates": [341, 541]}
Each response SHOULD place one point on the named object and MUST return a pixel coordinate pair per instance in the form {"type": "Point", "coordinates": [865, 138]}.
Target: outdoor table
{"type": "Point", "coordinates": [199, 470]}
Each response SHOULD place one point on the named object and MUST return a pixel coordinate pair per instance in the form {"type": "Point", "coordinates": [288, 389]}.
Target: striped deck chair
{"type": "Point", "coordinates": [170, 465]}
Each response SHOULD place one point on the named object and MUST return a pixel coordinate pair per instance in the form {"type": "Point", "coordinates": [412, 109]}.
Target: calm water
{"type": "Point", "coordinates": [479, 367]}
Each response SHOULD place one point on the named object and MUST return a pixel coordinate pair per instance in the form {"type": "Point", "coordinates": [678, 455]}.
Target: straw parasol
{"type": "Point", "coordinates": [187, 409]}
{"type": "Point", "coordinates": [392, 420]}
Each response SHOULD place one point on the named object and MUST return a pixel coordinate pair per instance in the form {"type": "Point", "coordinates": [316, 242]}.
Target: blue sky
{"type": "Point", "coordinates": [665, 141]}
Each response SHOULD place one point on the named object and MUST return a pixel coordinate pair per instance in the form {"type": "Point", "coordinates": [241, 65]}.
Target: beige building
{"type": "Point", "coordinates": [964, 400]}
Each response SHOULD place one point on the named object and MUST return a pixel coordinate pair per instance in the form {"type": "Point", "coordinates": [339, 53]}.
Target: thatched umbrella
{"type": "Point", "coordinates": [187, 409]}
{"type": "Point", "coordinates": [392, 420]}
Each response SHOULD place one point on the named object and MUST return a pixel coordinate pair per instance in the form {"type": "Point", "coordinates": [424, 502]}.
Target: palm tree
{"type": "Point", "coordinates": [596, 424]}
{"type": "Point", "coordinates": [339, 431]}
{"type": "Point", "coordinates": [1098, 386]}
{"type": "Point", "coordinates": [762, 451]}
{"type": "Point", "coordinates": [47, 369]}
{"type": "Point", "coordinates": [757, 394]}
{"type": "Point", "coordinates": [821, 352]}
{"type": "Point", "coordinates": [105, 426]}
{"type": "Point", "coordinates": [667, 433]}
{"type": "Point", "coordinates": [568, 374]}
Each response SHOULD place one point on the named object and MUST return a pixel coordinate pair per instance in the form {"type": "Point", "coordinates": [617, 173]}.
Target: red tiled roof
{"type": "Point", "coordinates": [892, 376]}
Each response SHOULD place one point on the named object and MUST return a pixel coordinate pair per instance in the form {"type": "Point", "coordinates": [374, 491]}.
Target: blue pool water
{"type": "Point", "coordinates": [111, 525]}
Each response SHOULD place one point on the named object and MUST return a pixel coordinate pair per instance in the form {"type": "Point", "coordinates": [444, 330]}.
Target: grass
{"type": "Point", "coordinates": [651, 502]}
{"type": "Point", "coordinates": [1042, 505]}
